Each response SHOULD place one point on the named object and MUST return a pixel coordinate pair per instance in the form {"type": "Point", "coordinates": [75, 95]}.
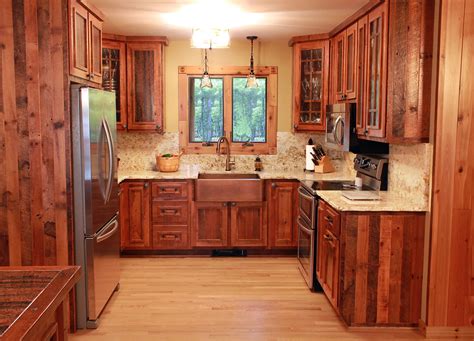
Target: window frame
{"type": "Point", "coordinates": [228, 73]}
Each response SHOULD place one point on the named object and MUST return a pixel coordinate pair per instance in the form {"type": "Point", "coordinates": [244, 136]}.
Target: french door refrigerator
{"type": "Point", "coordinates": [96, 201]}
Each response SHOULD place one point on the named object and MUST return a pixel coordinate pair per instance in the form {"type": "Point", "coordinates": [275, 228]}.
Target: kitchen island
{"type": "Point", "coordinates": [33, 302]}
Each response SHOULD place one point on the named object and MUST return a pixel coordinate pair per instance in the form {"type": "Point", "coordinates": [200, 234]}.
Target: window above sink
{"type": "Point", "coordinates": [246, 116]}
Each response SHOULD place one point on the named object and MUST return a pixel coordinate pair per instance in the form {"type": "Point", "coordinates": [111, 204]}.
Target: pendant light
{"type": "Point", "coordinates": [206, 80]}
{"type": "Point", "coordinates": [251, 79]}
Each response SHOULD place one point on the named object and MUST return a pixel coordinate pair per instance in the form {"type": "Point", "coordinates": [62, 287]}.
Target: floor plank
{"type": "Point", "coordinates": [222, 299]}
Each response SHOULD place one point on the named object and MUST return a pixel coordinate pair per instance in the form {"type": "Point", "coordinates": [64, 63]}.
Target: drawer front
{"type": "Point", "coordinates": [331, 220]}
{"type": "Point", "coordinates": [170, 213]}
{"type": "Point", "coordinates": [170, 190]}
{"type": "Point", "coordinates": [170, 237]}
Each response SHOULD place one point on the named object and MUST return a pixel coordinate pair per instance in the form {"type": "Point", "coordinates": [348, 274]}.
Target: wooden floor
{"type": "Point", "coordinates": [222, 299]}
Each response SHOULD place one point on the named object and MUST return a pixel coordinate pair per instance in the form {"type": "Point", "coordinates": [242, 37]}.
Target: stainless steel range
{"type": "Point", "coordinates": [373, 170]}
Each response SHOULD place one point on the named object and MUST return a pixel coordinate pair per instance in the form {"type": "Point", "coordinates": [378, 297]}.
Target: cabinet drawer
{"type": "Point", "coordinates": [170, 190]}
{"type": "Point", "coordinates": [169, 212]}
{"type": "Point", "coordinates": [330, 219]}
{"type": "Point", "coordinates": [170, 237]}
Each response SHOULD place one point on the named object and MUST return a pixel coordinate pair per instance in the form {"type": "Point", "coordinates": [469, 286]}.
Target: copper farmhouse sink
{"type": "Point", "coordinates": [229, 187]}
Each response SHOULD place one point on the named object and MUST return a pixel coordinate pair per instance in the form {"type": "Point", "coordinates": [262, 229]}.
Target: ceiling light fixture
{"type": "Point", "coordinates": [206, 80]}
{"type": "Point", "coordinates": [210, 38]}
{"type": "Point", "coordinates": [251, 79]}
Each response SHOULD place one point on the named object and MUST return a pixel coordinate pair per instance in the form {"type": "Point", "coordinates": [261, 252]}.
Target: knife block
{"type": "Point", "coordinates": [325, 166]}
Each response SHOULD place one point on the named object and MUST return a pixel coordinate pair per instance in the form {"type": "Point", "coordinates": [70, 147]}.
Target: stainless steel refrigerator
{"type": "Point", "coordinates": [96, 201]}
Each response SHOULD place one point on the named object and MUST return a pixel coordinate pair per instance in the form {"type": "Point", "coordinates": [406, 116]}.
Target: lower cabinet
{"type": "Point", "coordinates": [248, 225]}
{"type": "Point", "coordinates": [214, 222]}
{"type": "Point", "coordinates": [135, 215]}
{"type": "Point", "coordinates": [282, 196]}
{"type": "Point", "coordinates": [161, 215]}
{"type": "Point", "coordinates": [210, 224]}
{"type": "Point", "coordinates": [370, 265]}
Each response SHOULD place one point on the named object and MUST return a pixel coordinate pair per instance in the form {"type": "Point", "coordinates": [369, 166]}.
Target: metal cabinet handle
{"type": "Point", "coordinates": [234, 204]}
{"type": "Point", "coordinates": [169, 211]}
{"type": "Point", "coordinates": [224, 204]}
{"type": "Point", "coordinates": [169, 190]}
{"type": "Point", "coordinates": [145, 185]}
{"type": "Point", "coordinates": [274, 185]}
{"type": "Point", "coordinates": [169, 236]}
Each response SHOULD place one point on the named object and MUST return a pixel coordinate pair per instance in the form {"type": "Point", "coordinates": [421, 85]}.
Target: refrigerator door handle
{"type": "Point", "coordinates": [108, 231]}
{"type": "Point", "coordinates": [110, 146]}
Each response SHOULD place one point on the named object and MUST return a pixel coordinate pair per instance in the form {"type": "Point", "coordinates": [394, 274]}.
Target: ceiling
{"type": "Point", "coordinates": [275, 19]}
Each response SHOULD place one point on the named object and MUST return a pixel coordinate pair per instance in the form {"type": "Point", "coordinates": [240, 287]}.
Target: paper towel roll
{"type": "Point", "coordinates": [309, 157]}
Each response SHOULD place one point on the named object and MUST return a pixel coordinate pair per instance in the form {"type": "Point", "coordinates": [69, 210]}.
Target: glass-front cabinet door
{"type": "Point", "coordinates": [114, 77]}
{"type": "Point", "coordinates": [310, 85]}
{"type": "Point", "coordinates": [361, 74]}
{"type": "Point", "coordinates": [350, 67]}
{"type": "Point", "coordinates": [376, 72]}
{"type": "Point", "coordinates": [145, 86]}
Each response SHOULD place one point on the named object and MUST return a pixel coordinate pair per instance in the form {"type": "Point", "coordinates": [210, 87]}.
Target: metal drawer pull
{"type": "Point", "coordinates": [169, 190]}
{"type": "Point", "coordinates": [328, 237]}
{"type": "Point", "coordinates": [328, 219]}
{"type": "Point", "coordinates": [169, 211]}
{"type": "Point", "coordinates": [169, 236]}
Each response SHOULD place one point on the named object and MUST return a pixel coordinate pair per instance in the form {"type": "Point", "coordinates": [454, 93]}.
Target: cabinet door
{"type": "Point", "coordinates": [95, 29]}
{"type": "Point", "coordinates": [330, 266]}
{"type": "Point", "coordinates": [79, 34]}
{"type": "Point", "coordinates": [339, 55]}
{"type": "Point", "coordinates": [248, 224]}
{"type": "Point", "coordinates": [361, 75]}
{"type": "Point", "coordinates": [350, 63]}
{"type": "Point", "coordinates": [210, 224]}
{"type": "Point", "coordinates": [283, 210]}
{"type": "Point", "coordinates": [135, 215]}
{"type": "Point", "coordinates": [145, 86]}
{"type": "Point", "coordinates": [310, 81]}
{"type": "Point", "coordinates": [376, 72]}
{"type": "Point", "coordinates": [114, 77]}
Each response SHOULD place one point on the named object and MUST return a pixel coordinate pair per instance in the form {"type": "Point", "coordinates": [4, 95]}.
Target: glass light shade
{"type": "Point", "coordinates": [251, 81]}
{"type": "Point", "coordinates": [205, 38]}
{"type": "Point", "coordinates": [206, 81]}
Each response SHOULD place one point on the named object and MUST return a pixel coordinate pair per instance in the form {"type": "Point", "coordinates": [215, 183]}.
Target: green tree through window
{"type": "Point", "coordinates": [206, 111]}
{"type": "Point", "coordinates": [249, 111]}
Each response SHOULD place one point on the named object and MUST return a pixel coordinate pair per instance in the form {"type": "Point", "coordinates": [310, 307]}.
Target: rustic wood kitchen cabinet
{"type": "Point", "coordinates": [282, 213]}
{"type": "Point", "coordinates": [134, 69]}
{"type": "Point", "coordinates": [382, 61]}
{"type": "Point", "coordinates": [134, 212]}
{"type": "Point", "coordinates": [229, 224]}
{"type": "Point", "coordinates": [310, 85]}
{"type": "Point", "coordinates": [85, 41]}
{"type": "Point", "coordinates": [370, 265]}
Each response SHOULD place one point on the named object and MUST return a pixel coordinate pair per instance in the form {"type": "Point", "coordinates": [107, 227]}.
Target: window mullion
{"type": "Point", "coordinates": [228, 107]}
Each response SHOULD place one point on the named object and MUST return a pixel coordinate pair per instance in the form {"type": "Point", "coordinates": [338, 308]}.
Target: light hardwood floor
{"type": "Point", "coordinates": [222, 299]}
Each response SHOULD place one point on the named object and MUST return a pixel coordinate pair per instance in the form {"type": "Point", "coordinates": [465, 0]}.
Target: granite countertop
{"type": "Point", "coordinates": [192, 172]}
{"type": "Point", "coordinates": [27, 292]}
{"type": "Point", "coordinates": [389, 201]}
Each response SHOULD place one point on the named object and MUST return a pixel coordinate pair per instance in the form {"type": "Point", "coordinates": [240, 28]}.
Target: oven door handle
{"type": "Point", "coordinates": [304, 228]}
{"type": "Point", "coordinates": [304, 195]}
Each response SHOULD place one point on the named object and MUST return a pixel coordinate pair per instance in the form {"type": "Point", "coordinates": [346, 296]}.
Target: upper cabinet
{"type": "Point", "coordinates": [381, 60]}
{"type": "Point", "coordinates": [310, 85]}
{"type": "Point", "coordinates": [374, 111]}
{"type": "Point", "coordinates": [145, 86]}
{"type": "Point", "coordinates": [115, 77]}
{"type": "Point", "coordinates": [85, 41]}
{"type": "Point", "coordinates": [133, 69]}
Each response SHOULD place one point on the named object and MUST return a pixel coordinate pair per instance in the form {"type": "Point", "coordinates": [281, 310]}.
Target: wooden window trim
{"type": "Point", "coordinates": [227, 72]}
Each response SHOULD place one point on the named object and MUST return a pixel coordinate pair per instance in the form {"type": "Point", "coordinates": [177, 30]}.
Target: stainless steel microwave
{"type": "Point", "coordinates": [341, 131]}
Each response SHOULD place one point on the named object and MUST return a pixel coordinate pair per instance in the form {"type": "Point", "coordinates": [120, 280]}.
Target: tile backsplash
{"type": "Point", "coordinates": [409, 165]}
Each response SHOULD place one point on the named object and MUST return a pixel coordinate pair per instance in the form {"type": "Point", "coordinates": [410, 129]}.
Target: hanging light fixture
{"type": "Point", "coordinates": [206, 80]}
{"type": "Point", "coordinates": [251, 79]}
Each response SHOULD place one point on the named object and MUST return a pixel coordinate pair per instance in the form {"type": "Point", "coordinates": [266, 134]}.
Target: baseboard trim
{"type": "Point", "coordinates": [446, 332]}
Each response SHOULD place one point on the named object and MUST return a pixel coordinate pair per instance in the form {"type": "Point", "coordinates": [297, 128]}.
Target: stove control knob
{"type": "Point", "coordinates": [356, 161]}
{"type": "Point", "coordinates": [373, 166]}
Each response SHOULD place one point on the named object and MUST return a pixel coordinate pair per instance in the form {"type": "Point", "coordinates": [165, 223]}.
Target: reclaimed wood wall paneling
{"type": "Point", "coordinates": [34, 133]}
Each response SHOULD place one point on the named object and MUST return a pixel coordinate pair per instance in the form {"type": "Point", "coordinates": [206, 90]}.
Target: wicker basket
{"type": "Point", "coordinates": [167, 164]}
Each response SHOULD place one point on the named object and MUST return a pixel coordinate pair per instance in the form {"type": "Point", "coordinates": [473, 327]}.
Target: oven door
{"type": "Point", "coordinates": [306, 259]}
{"type": "Point", "coordinates": [307, 207]}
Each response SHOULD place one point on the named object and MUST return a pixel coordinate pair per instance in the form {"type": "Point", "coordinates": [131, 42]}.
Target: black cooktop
{"type": "Point", "coordinates": [329, 185]}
